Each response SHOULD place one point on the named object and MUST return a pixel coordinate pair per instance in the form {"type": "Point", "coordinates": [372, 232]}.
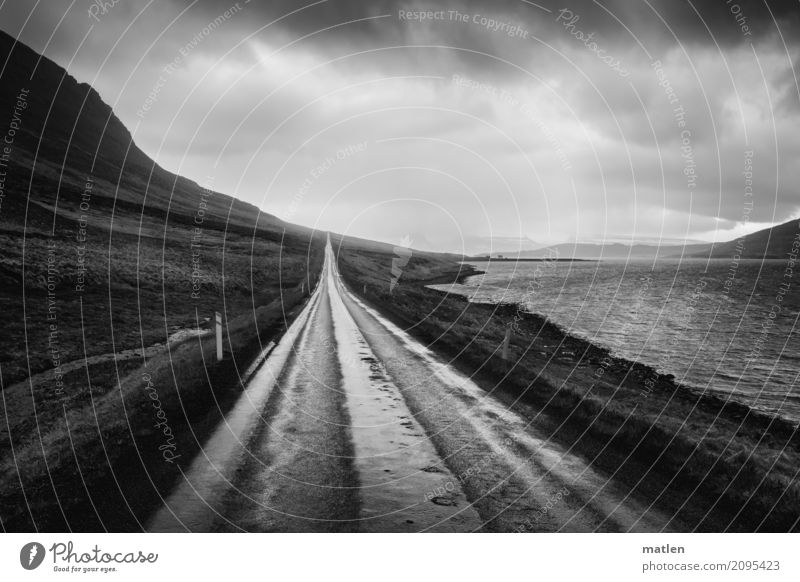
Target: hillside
{"type": "Point", "coordinates": [85, 206]}
{"type": "Point", "coordinates": [112, 270]}
{"type": "Point", "coordinates": [770, 243]}
{"type": "Point", "coordinates": [72, 134]}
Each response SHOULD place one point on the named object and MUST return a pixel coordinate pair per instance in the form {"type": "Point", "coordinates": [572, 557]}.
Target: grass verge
{"type": "Point", "coordinates": [102, 458]}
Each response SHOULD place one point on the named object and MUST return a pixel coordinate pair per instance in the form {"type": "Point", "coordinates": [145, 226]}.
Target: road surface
{"type": "Point", "coordinates": [352, 425]}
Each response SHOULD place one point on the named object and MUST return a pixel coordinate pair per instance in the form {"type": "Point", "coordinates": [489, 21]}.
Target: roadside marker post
{"type": "Point", "coordinates": [218, 325]}
{"type": "Point", "coordinates": [506, 342]}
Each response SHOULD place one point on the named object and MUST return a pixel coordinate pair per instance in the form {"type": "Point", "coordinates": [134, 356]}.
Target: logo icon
{"type": "Point", "coordinates": [31, 555]}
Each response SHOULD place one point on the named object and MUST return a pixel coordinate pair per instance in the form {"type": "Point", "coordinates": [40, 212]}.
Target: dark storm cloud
{"type": "Point", "coordinates": [645, 29]}
{"type": "Point", "coordinates": [339, 27]}
{"type": "Point", "coordinates": [728, 21]}
{"type": "Point", "coordinates": [720, 21]}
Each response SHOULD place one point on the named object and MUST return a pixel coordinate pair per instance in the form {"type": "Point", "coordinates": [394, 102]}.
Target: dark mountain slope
{"type": "Point", "coordinates": [72, 133]}
{"type": "Point", "coordinates": [84, 206]}
{"type": "Point", "coordinates": [770, 243]}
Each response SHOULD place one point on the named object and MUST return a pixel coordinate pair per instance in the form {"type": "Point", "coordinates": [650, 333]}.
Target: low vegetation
{"type": "Point", "coordinates": [97, 438]}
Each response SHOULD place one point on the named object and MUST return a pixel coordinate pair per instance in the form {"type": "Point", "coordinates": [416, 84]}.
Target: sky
{"type": "Point", "coordinates": [461, 125]}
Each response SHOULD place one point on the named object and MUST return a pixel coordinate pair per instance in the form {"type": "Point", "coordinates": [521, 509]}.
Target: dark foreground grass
{"type": "Point", "coordinates": [713, 465]}
{"type": "Point", "coordinates": [106, 257]}
{"type": "Point", "coordinates": [102, 455]}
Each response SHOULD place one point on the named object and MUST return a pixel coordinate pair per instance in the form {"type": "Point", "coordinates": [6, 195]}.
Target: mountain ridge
{"type": "Point", "coordinates": [770, 243]}
{"type": "Point", "coordinates": [67, 128]}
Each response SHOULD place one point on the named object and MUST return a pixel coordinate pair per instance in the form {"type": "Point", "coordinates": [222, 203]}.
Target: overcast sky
{"type": "Point", "coordinates": [486, 122]}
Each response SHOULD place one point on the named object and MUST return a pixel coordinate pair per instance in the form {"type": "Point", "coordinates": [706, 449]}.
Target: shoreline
{"type": "Point", "coordinates": [529, 260]}
{"type": "Point", "coordinates": [738, 409]}
{"type": "Point", "coordinates": [716, 465]}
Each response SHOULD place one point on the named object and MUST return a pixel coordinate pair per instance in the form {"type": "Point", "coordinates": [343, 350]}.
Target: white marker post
{"type": "Point", "coordinates": [218, 318]}
{"type": "Point", "coordinates": [506, 341]}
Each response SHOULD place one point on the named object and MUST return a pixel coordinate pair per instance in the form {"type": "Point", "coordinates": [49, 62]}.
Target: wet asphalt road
{"type": "Point", "coordinates": [352, 425]}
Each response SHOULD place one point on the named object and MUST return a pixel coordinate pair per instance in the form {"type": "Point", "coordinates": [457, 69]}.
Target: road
{"type": "Point", "coordinates": [352, 425]}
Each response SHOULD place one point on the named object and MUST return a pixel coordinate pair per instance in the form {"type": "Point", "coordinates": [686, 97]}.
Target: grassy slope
{"type": "Point", "coordinates": [715, 466]}
{"type": "Point", "coordinates": [86, 455]}
{"type": "Point", "coordinates": [770, 243]}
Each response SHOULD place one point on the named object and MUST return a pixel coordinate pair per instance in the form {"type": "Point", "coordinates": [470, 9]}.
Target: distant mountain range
{"type": "Point", "coordinates": [770, 243]}
{"type": "Point", "coordinates": [475, 245]}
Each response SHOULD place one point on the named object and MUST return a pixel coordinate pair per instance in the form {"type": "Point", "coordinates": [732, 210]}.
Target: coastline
{"type": "Point", "coordinates": [708, 400]}
{"type": "Point", "coordinates": [531, 260]}
{"type": "Point", "coordinates": [716, 465]}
